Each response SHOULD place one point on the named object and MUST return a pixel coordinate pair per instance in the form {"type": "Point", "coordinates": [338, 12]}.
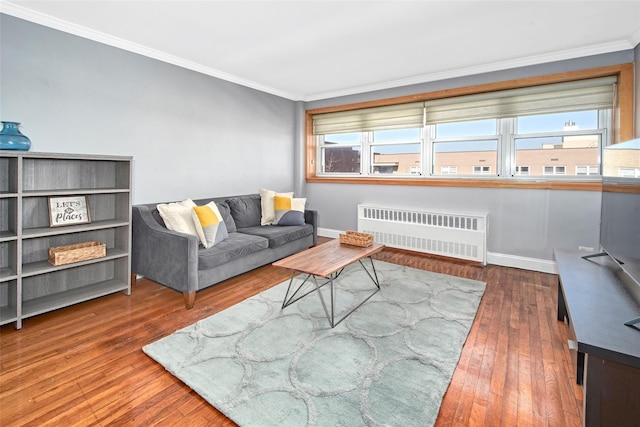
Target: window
{"type": "Point", "coordinates": [340, 153]}
{"type": "Point", "coordinates": [464, 144]}
{"type": "Point", "coordinates": [572, 138]}
{"type": "Point", "coordinates": [629, 172]}
{"type": "Point", "coordinates": [481, 170]}
{"type": "Point", "coordinates": [555, 131]}
{"type": "Point", "coordinates": [448, 170]}
{"type": "Point", "coordinates": [587, 170]}
{"type": "Point", "coordinates": [395, 152]}
{"type": "Point", "coordinates": [622, 160]}
{"type": "Point", "coordinates": [554, 170]}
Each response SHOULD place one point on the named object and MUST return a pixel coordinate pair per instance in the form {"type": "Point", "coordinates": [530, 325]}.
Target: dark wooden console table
{"type": "Point", "coordinates": [595, 302]}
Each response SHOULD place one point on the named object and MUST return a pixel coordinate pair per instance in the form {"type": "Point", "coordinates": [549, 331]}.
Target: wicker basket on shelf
{"type": "Point", "coordinates": [67, 254]}
{"type": "Point", "coordinates": [355, 238]}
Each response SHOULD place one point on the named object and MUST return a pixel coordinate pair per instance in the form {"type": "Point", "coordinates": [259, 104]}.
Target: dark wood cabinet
{"type": "Point", "coordinates": [594, 298]}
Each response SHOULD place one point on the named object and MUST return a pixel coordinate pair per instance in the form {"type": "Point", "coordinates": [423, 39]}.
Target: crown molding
{"type": "Point", "coordinates": [100, 37]}
{"type": "Point", "coordinates": [485, 68]}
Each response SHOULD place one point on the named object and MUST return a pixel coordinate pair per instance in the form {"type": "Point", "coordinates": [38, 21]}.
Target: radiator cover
{"type": "Point", "coordinates": [452, 234]}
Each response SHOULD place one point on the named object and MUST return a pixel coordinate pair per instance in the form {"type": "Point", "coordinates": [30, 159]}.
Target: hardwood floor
{"type": "Point", "coordinates": [83, 365]}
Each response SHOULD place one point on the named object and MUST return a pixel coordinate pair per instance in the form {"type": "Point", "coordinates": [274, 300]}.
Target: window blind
{"type": "Point", "coordinates": [370, 119]}
{"type": "Point", "coordinates": [553, 98]}
{"type": "Point", "coordinates": [577, 95]}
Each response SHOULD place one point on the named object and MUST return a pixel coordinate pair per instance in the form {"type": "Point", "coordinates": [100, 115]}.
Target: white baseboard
{"type": "Point", "coordinates": [534, 264]}
{"type": "Point", "coordinates": [504, 260]}
{"type": "Point", "coordinates": [328, 232]}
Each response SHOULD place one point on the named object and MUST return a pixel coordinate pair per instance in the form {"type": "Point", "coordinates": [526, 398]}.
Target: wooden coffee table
{"type": "Point", "coordinates": [327, 261]}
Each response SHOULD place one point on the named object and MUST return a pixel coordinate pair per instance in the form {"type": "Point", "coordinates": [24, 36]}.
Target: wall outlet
{"type": "Point", "coordinates": [585, 248]}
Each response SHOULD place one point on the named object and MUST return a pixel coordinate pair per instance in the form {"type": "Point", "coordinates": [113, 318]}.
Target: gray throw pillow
{"type": "Point", "coordinates": [245, 210]}
{"type": "Point", "coordinates": [225, 211]}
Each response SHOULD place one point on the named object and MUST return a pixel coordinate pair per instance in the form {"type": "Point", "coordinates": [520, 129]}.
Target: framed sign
{"type": "Point", "coordinates": [68, 210]}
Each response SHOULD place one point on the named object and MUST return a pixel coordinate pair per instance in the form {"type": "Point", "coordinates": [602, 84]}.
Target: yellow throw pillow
{"type": "Point", "coordinates": [209, 225]}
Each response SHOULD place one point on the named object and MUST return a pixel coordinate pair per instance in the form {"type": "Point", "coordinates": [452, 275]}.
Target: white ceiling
{"type": "Point", "coordinates": [309, 50]}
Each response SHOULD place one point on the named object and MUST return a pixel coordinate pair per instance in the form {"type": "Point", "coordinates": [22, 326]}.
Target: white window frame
{"type": "Point", "coordinates": [432, 141]}
{"type": "Point", "coordinates": [371, 144]}
{"type": "Point", "coordinates": [505, 157]}
{"type": "Point", "coordinates": [604, 121]}
{"type": "Point", "coordinates": [506, 152]}
{"type": "Point", "coordinates": [320, 156]}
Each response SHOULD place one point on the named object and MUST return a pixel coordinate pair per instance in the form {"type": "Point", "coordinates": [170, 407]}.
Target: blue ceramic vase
{"type": "Point", "coordinates": [12, 139]}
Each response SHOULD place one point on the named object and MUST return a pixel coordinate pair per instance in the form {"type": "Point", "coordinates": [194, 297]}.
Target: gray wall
{"type": "Point", "coordinates": [191, 135]}
{"type": "Point", "coordinates": [524, 225]}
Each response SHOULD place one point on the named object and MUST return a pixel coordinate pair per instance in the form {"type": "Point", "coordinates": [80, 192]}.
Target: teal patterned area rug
{"type": "Point", "coordinates": [388, 363]}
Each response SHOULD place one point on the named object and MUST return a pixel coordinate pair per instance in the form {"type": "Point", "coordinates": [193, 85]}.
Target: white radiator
{"type": "Point", "coordinates": [457, 235]}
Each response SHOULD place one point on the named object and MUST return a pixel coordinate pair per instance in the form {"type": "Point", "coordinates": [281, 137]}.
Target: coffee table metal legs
{"type": "Point", "coordinates": [330, 312]}
{"type": "Point", "coordinates": [288, 300]}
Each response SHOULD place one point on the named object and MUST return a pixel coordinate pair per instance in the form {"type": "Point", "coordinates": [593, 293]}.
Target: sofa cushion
{"type": "Point", "coordinates": [245, 210]}
{"type": "Point", "coordinates": [235, 246]}
{"type": "Point", "coordinates": [279, 236]}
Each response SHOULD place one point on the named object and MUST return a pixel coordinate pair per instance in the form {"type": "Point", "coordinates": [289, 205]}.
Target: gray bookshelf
{"type": "Point", "coordinates": [29, 284]}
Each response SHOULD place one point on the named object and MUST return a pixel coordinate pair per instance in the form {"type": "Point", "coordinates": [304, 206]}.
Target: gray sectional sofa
{"type": "Point", "coordinates": [179, 261]}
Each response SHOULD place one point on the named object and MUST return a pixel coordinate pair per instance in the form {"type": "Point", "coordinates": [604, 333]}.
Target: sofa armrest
{"type": "Point", "coordinates": [311, 217]}
{"type": "Point", "coordinates": [162, 255]}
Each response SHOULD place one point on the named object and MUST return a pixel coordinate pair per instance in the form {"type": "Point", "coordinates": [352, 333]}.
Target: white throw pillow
{"type": "Point", "coordinates": [267, 205]}
{"type": "Point", "coordinates": [178, 216]}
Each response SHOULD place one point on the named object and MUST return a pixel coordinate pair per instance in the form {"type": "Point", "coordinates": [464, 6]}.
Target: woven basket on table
{"type": "Point", "coordinates": [355, 238]}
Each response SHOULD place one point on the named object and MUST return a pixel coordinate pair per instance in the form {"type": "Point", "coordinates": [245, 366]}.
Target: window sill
{"type": "Point", "coordinates": [533, 184]}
